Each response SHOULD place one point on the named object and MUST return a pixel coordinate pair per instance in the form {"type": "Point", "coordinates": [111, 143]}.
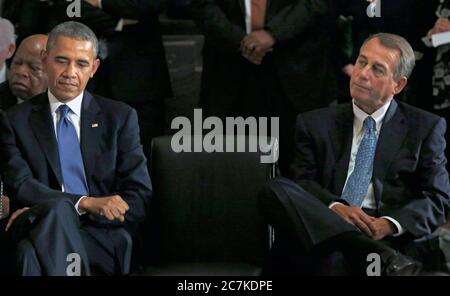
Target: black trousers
{"type": "Point", "coordinates": [310, 238]}
{"type": "Point", "coordinates": [47, 235]}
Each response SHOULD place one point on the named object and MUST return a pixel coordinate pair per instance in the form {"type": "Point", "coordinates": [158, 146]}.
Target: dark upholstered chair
{"type": "Point", "coordinates": [205, 218]}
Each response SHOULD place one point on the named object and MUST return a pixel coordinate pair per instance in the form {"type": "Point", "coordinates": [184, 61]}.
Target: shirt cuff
{"type": "Point", "coordinates": [119, 26]}
{"type": "Point", "coordinates": [76, 206]}
{"type": "Point", "coordinates": [400, 229]}
{"type": "Point", "coordinates": [100, 4]}
{"type": "Point", "coordinates": [334, 203]}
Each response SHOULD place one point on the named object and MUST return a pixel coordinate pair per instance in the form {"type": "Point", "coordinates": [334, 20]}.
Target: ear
{"type": "Point", "coordinates": [44, 57]}
{"type": "Point", "coordinates": [400, 85]}
{"type": "Point", "coordinates": [95, 67]}
{"type": "Point", "coordinates": [11, 50]}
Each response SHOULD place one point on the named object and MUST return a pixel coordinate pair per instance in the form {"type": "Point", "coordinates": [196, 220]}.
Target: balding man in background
{"type": "Point", "coordinates": [26, 77]}
{"type": "Point", "coordinates": [7, 45]}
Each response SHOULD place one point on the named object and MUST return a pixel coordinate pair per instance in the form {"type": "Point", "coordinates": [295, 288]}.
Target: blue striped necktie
{"type": "Point", "coordinates": [70, 158]}
{"type": "Point", "coordinates": [358, 183]}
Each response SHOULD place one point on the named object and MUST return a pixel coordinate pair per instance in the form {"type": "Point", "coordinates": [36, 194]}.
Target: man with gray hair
{"type": "Point", "coordinates": [369, 177]}
{"type": "Point", "coordinates": [74, 168]}
{"type": "Point", "coordinates": [7, 45]}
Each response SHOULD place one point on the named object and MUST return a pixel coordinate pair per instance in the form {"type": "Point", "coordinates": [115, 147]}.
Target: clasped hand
{"type": "Point", "coordinates": [376, 228]}
{"type": "Point", "coordinates": [256, 45]}
{"type": "Point", "coordinates": [110, 207]}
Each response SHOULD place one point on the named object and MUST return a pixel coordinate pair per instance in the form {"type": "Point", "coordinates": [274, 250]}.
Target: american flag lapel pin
{"type": "Point", "coordinates": [94, 125]}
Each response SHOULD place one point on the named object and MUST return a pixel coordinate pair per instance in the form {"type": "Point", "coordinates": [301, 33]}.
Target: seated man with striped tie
{"type": "Point", "coordinates": [73, 165]}
{"type": "Point", "coordinates": [370, 182]}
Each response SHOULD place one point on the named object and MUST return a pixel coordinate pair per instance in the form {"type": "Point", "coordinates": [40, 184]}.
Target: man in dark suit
{"type": "Point", "coordinates": [134, 68]}
{"type": "Point", "coordinates": [7, 98]}
{"type": "Point", "coordinates": [73, 163]}
{"type": "Point", "coordinates": [26, 77]}
{"type": "Point", "coordinates": [263, 60]}
{"type": "Point", "coordinates": [369, 177]}
{"type": "Point", "coordinates": [7, 46]}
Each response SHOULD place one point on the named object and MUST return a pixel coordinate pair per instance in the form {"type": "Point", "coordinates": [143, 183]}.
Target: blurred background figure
{"type": "Point", "coordinates": [266, 60]}
{"type": "Point", "coordinates": [26, 77]}
{"type": "Point", "coordinates": [7, 45]}
{"type": "Point", "coordinates": [407, 18]}
{"type": "Point", "coordinates": [440, 78]}
{"type": "Point", "coordinates": [28, 16]}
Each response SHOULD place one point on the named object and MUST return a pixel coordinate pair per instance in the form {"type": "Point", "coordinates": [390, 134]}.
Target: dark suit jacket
{"type": "Point", "coordinates": [301, 54]}
{"type": "Point", "coordinates": [407, 18]}
{"type": "Point", "coordinates": [28, 17]}
{"type": "Point", "coordinates": [136, 69]}
{"type": "Point", "coordinates": [410, 181]}
{"type": "Point", "coordinates": [7, 99]}
{"type": "Point", "coordinates": [112, 154]}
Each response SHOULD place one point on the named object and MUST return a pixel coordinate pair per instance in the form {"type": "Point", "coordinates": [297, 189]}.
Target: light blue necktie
{"type": "Point", "coordinates": [70, 158]}
{"type": "Point", "coordinates": [357, 184]}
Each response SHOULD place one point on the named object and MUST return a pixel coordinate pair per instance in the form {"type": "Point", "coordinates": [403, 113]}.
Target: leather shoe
{"type": "Point", "coordinates": [397, 264]}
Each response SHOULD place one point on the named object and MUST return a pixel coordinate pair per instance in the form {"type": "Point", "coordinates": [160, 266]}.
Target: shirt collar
{"type": "Point", "coordinates": [3, 73]}
{"type": "Point", "coordinates": [378, 116]}
{"type": "Point", "coordinates": [74, 105]}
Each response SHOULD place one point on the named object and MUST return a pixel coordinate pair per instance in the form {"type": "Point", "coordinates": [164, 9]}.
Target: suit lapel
{"type": "Point", "coordinates": [341, 136]}
{"type": "Point", "coordinates": [41, 123]}
{"type": "Point", "coordinates": [90, 133]}
{"type": "Point", "coordinates": [390, 140]}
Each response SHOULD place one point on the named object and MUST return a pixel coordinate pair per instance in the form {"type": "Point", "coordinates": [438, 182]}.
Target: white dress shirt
{"type": "Point", "coordinates": [74, 116]}
{"type": "Point", "coordinates": [248, 16]}
{"type": "Point", "coordinates": [3, 74]}
{"type": "Point", "coordinates": [358, 133]}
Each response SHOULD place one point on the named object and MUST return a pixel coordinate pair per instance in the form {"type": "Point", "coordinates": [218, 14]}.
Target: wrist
{"type": "Point", "coordinates": [390, 228]}
{"type": "Point", "coordinates": [85, 204]}
{"type": "Point", "coordinates": [270, 33]}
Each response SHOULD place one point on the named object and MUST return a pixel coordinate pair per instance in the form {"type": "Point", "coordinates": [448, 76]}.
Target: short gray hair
{"type": "Point", "coordinates": [407, 60]}
{"type": "Point", "coordinates": [73, 30]}
{"type": "Point", "coordinates": [7, 35]}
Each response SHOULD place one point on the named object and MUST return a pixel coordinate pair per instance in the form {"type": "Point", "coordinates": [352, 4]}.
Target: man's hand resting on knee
{"type": "Point", "coordinates": [111, 207]}
{"type": "Point", "coordinates": [376, 228]}
{"type": "Point", "coordinates": [14, 217]}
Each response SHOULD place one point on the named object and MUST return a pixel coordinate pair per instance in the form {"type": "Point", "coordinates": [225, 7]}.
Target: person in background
{"type": "Point", "coordinates": [7, 45]}
{"type": "Point", "coordinates": [26, 78]}
{"type": "Point", "coordinates": [440, 82]}
{"type": "Point", "coordinates": [266, 59]}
